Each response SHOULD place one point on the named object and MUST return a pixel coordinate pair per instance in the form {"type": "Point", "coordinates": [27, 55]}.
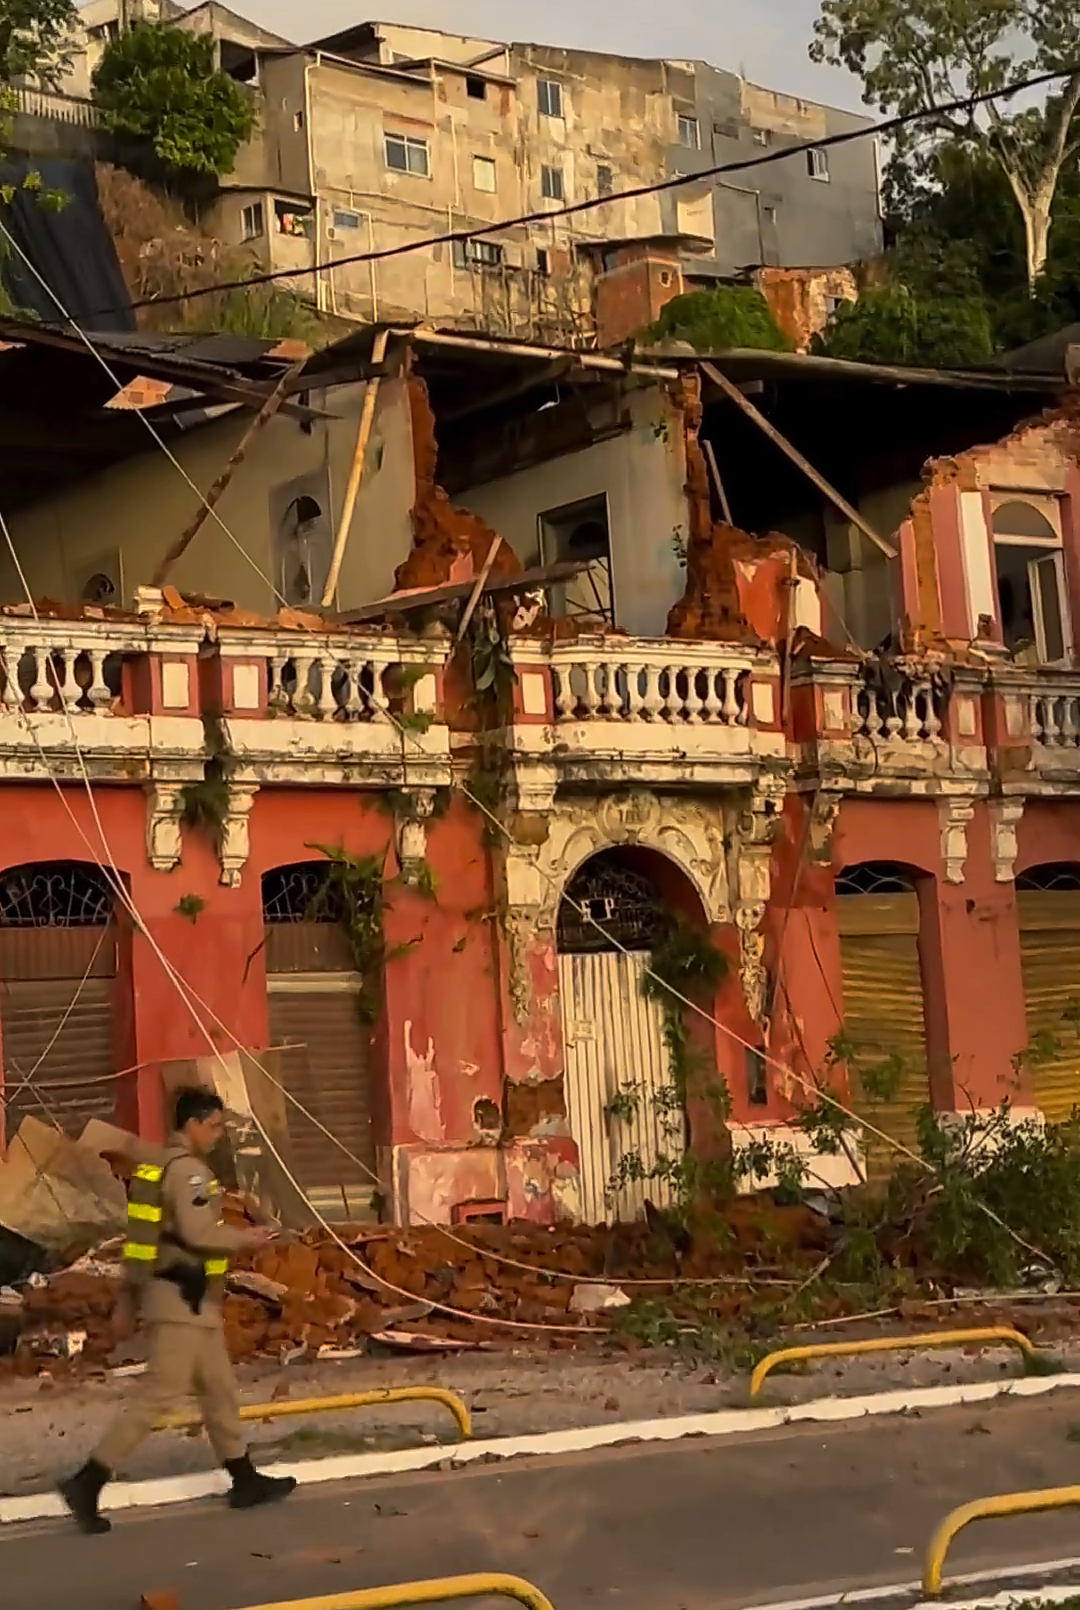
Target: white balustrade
{"type": "Point", "coordinates": [49, 666]}
{"type": "Point", "coordinates": [337, 679]}
{"type": "Point", "coordinates": [680, 684]}
{"type": "Point", "coordinates": [1055, 717]}
{"type": "Point", "coordinates": [903, 713]}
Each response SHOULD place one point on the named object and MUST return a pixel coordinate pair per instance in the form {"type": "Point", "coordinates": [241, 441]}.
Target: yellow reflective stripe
{"type": "Point", "coordinates": [144, 1211]}
{"type": "Point", "coordinates": [139, 1250]}
{"type": "Point", "coordinates": [149, 1171]}
{"type": "Point", "coordinates": [216, 1266]}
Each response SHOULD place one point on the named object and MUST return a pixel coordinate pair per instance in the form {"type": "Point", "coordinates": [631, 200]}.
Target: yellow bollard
{"type": "Point", "coordinates": [438, 1590]}
{"type": "Point", "coordinates": [984, 1509]}
{"type": "Point", "coordinates": [889, 1344]}
{"type": "Point", "coordinates": [284, 1409]}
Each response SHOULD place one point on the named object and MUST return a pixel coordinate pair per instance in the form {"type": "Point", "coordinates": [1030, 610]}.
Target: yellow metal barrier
{"type": "Point", "coordinates": [284, 1409]}
{"type": "Point", "coordinates": [984, 1509]}
{"type": "Point", "coordinates": [890, 1344]}
{"type": "Point", "coordinates": [439, 1590]}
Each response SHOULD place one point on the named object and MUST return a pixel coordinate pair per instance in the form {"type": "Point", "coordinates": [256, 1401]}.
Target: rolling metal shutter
{"type": "Point", "coordinates": [1050, 957]}
{"type": "Point", "coordinates": [883, 1013]}
{"type": "Point", "coordinates": [65, 1049]}
{"type": "Point", "coordinates": [325, 1063]}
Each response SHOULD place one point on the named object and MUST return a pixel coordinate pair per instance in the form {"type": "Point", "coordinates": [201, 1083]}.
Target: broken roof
{"type": "Point", "coordinates": [63, 416]}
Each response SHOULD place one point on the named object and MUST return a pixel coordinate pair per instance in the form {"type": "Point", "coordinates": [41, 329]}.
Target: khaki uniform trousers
{"type": "Point", "coordinates": [185, 1361]}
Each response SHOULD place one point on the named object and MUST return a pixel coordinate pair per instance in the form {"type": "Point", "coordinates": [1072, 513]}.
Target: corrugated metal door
{"type": "Point", "coordinates": [314, 1006]}
{"type": "Point", "coordinates": [1050, 956]}
{"type": "Point", "coordinates": [883, 1011]}
{"type": "Point", "coordinates": [57, 1036]}
{"type": "Point", "coordinates": [614, 1045]}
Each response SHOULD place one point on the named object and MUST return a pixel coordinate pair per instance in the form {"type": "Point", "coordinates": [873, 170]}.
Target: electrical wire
{"type": "Point", "coordinates": [574, 209]}
{"type": "Point", "coordinates": [182, 987]}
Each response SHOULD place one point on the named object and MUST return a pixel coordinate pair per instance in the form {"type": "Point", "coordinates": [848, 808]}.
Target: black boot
{"type": "Point", "coordinates": [81, 1493]}
{"type": "Point", "coordinates": [251, 1488]}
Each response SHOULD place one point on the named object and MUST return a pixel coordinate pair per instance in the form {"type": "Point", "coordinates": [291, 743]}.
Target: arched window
{"type": "Point", "coordinates": [874, 877]}
{"type": "Point", "coordinates": [57, 988]}
{"type": "Point", "coordinates": [607, 905]}
{"type": "Point", "coordinates": [1050, 877]}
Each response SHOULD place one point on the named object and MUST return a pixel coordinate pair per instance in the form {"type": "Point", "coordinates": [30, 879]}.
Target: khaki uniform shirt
{"type": "Point", "coordinates": [191, 1211]}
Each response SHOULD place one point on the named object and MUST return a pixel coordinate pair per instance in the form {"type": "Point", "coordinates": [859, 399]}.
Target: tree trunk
{"type": "Point", "coordinates": [1036, 216]}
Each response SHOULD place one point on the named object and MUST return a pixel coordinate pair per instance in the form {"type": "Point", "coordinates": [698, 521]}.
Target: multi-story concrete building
{"type": "Point", "coordinates": [383, 136]}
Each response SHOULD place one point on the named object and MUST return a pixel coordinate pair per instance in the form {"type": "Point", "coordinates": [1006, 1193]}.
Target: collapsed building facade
{"type": "Point", "coordinates": [610, 645]}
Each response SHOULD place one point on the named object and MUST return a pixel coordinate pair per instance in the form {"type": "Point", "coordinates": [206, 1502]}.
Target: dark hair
{"type": "Point", "coordinates": [196, 1104]}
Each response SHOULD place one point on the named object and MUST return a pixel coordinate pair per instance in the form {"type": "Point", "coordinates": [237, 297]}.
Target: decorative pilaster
{"type": "Point", "coordinates": [1005, 815]}
{"type": "Point", "coordinates": [164, 812]}
{"type": "Point", "coordinates": [955, 816]}
{"type": "Point", "coordinates": [236, 833]}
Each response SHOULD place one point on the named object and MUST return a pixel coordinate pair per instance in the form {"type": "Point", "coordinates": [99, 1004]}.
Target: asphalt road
{"type": "Point", "coordinates": [703, 1522]}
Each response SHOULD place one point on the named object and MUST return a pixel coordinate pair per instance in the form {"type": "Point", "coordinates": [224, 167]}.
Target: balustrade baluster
{"type": "Point", "coordinates": [41, 689]}
{"type": "Point", "coordinates": [98, 693]}
{"type": "Point", "coordinates": [653, 702]}
{"type": "Point", "coordinates": [692, 704]}
{"type": "Point", "coordinates": [730, 711]}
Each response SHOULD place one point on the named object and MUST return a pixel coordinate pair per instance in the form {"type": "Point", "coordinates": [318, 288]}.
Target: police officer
{"type": "Point", "coordinates": [176, 1258]}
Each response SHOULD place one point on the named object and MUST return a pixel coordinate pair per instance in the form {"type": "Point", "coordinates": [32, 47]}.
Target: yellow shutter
{"type": "Point", "coordinates": [1050, 956]}
{"type": "Point", "coordinates": [883, 1012]}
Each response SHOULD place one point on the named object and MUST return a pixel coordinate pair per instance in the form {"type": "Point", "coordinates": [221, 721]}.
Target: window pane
{"type": "Point", "coordinates": [551, 183]}
{"type": "Point", "coordinates": [484, 174]}
{"type": "Point", "coordinates": [395, 153]}
{"type": "Point", "coordinates": [418, 157]}
{"type": "Point", "coordinates": [549, 97]}
{"type": "Point", "coordinates": [1046, 580]}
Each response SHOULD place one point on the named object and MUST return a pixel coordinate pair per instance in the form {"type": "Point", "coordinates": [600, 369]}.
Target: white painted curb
{"type": "Point", "coordinates": [990, 1601]}
{"type": "Point", "coordinates": [721, 1423]}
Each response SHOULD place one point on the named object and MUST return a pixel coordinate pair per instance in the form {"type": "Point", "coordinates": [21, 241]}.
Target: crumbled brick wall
{"type": "Point", "coordinates": [442, 532]}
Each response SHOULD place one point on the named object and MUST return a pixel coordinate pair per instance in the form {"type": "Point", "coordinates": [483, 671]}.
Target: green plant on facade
{"type": "Point", "coordinates": [492, 666]}
{"type": "Point", "coordinates": [204, 805]}
{"type": "Point", "coordinates": [190, 906]}
{"type": "Point", "coordinates": [159, 87]}
{"type": "Point", "coordinates": [353, 895]}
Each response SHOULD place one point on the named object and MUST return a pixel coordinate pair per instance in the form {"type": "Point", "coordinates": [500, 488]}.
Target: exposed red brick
{"type": "Point", "coordinates": [442, 532]}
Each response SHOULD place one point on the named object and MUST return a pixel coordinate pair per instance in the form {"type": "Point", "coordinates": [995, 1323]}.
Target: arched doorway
{"type": "Point", "coordinates": [1048, 914]}
{"type": "Point", "coordinates": [877, 913]}
{"type": "Point", "coordinates": [620, 1099]}
{"type": "Point", "coordinates": [316, 1001]}
{"type": "Point", "coordinates": [57, 987]}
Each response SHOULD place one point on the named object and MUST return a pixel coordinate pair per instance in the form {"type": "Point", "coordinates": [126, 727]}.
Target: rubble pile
{"type": "Point", "coordinates": [310, 1296]}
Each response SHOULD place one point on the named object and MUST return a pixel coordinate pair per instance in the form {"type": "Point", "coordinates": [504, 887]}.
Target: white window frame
{"type": "Point", "coordinates": [686, 123]}
{"type": "Point", "coordinates": [486, 166]}
{"type": "Point", "coordinates": [257, 212]}
{"type": "Point", "coordinates": [1042, 548]}
{"type": "Point", "coordinates": [549, 97]}
{"type": "Point", "coordinates": [560, 178]}
{"type": "Point", "coordinates": [817, 165]}
{"type": "Point", "coordinates": [410, 144]}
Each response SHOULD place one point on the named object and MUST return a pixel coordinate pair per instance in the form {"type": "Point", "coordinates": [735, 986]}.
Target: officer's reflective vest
{"type": "Point", "coordinates": [145, 1212]}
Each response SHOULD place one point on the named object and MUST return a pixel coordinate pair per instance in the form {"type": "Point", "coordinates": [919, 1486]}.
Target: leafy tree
{"type": "Point", "coordinates": [890, 325]}
{"type": "Point", "coordinates": [730, 316]}
{"type": "Point", "coordinates": [158, 87]}
{"type": "Point", "coordinates": [35, 40]}
{"type": "Point", "coordinates": [916, 55]}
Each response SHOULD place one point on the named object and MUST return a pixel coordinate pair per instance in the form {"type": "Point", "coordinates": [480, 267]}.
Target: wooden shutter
{"type": "Point", "coordinates": [1050, 957]}
{"type": "Point", "coordinates": [326, 1066]}
{"type": "Point", "coordinates": [883, 1012]}
{"type": "Point", "coordinates": [65, 1049]}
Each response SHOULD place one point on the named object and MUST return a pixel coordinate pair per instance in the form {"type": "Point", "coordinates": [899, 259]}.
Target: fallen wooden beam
{"type": "Point", "coordinates": [731, 390]}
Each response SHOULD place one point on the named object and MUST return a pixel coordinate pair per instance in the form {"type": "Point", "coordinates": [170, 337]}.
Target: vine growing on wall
{"type": "Point", "coordinates": [353, 895]}
{"type": "Point", "coordinates": [204, 805]}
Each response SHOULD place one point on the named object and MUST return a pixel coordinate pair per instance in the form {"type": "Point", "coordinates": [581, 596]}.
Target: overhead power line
{"type": "Point", "coordinates": [574, 209]}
